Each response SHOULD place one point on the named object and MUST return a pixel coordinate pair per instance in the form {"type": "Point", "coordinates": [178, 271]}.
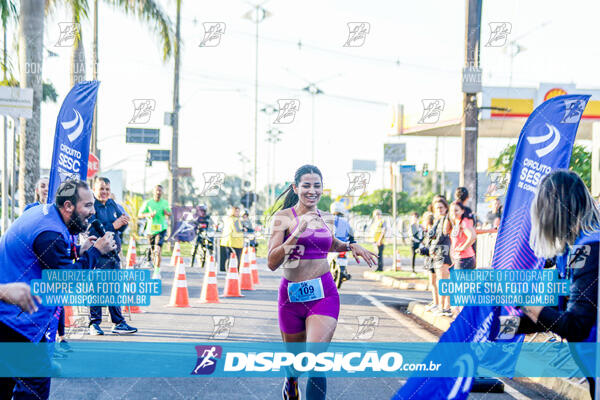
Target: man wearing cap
{"type": "Point", "coordinates": [41, 239]}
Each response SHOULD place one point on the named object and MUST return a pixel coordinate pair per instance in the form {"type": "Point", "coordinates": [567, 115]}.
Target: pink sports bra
{"type": "Point", "coordinates": [316, 242]}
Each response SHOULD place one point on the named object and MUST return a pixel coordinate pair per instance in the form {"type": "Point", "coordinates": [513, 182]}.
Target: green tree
{"type": "Point", "coordinates": [581, 162]}
{"type": "Point", "coordinates": [382, 199]}
{"type": "Point", "coordinates": [324, 203]}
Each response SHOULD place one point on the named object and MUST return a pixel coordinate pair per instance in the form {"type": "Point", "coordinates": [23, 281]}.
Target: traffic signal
{"type": "Point", "coordinates": [425, 169]}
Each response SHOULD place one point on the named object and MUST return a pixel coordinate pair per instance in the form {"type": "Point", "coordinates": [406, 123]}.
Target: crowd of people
{"type": "Point", "coordinates": [446, 239]}
{"type": "Point", "coordinates": [564, 215]}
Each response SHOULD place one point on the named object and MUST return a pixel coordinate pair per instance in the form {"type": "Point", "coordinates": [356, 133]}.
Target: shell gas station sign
{"type": "Point", "coordinates": [520, 102]}
{"type": "Point", "coordinates": [505, 110]}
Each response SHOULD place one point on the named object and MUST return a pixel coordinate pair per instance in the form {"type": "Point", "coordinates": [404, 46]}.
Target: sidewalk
{"type": "Point", "coordinates": [568, 388]}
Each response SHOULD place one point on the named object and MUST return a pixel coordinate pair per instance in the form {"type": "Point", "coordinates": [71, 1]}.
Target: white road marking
{"type": "Point", "coordinates": [406, 322]}
{"type": "Point", "coordinates": [397, 296]}
{"type": "Point", "coordinates": [423, 334]}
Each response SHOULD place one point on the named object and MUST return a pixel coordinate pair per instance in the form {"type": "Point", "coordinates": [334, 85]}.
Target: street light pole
{"type": "Point", "coordinates": [273, 138]}
{"type": "Point", "coordinates": [259, 14]}
{"type": "Point", "coordinates": [313, 90]}
{"type": "Point", "coordinates": [312, 152]}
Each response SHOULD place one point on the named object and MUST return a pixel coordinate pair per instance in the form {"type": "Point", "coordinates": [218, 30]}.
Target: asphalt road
{"type": "Point", "coordinates": [254, 318]}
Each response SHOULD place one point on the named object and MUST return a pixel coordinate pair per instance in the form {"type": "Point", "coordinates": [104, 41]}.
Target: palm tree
{"type": "Point", "coordinates": [31, 56]}
{"type": "Point", "coordinates": [31, 45]}
{"type": "Point", "coordinates": [148, 11]}
{"type": "Point", "coordinates": [8, 9]}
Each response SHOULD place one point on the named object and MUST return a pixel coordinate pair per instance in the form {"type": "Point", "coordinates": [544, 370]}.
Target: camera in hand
{"type": "Point", "coordinates": [423, 251]}
{"type": "Point", "coordinates": [97, 225]}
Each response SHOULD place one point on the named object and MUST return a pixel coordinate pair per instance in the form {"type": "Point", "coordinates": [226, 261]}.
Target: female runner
{"type": "Point", "coordinates": [301, 237]}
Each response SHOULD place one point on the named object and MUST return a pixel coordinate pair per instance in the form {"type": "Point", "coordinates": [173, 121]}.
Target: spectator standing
{"type": "Point", "coordinates": [378, 231]}
{"type": "Point", "coordinates": [439, 249]}
{"type": "Point", "coordinates": [416, 231]}
{"type": "Point", "coordinates": [112, 220]}
{"type": "Point", "coordinates": [463, 236]}
{"type": "Point", "coordinates": [232, 238]}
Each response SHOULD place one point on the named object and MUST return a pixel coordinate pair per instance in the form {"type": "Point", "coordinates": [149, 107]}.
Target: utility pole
{"type": "Point", "coordinates": [470, 124]}
{"type": "Point", "coordinates": [393, 167]}
{"type": "Point", "coordinates": [173, 178]}
{"type": "Point", "coordinates": [256, 15]}
{"type": "Point", "coordinates": [94, 138]}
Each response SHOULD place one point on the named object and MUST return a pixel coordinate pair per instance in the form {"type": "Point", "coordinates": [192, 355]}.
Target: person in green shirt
{"type": "Point", "coordinates": [157, 211]}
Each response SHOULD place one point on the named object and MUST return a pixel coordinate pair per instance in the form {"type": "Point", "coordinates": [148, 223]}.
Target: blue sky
{"type": "Point", "coordinates": [352, 117]}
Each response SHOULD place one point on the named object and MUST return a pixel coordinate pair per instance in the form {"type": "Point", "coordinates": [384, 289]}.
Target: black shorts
{"type": "Point", "coordinates": [158, 239]}
{"type": "Point", "coordinates": [464, 263]}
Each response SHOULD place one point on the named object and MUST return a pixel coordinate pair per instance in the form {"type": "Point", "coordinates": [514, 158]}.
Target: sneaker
{"type": "Point", "coordinates": [63, 345]}
{"type": "Point", "coordinates": [446, 313]}
{"type": "Point", "coordinates": [290, 389]}
{"type": "Point", "coordinates": [95, 330]}
{"type": "Point", "coordinates": [122, 329]}
{"type": "Point", "coordinates": [431, 307]}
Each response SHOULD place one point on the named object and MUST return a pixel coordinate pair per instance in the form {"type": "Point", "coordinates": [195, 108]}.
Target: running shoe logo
{"type": "Point", "coordinates": [366, 327]}
{"type": "Point", "coordinates": [69, 124]}
{"type": "Point", "coordinates": [357, 184]}
{"type": "Point", "coordinates": [213, 181]}
{"type": "Point", "coordinates": [578, 255]}
{"type": "Point", "coordinates": [432, 110]}
{"type": "Point", "coordinates": [222, 326]}
{"type": "Point", "coordinates": [287, 111]}
{"type": "Point", "coordinates": [207, 359]}
{"type": "Point", "coordinates": [212, 34]}
{"type": "Point", "coordinates": [466, 367]}
{"type": "Point", "coordinates": [357, 33]}
{"type": "Point", "coordinates": [69, 31]}
{"type": "Point", "coordinates": [553, 137]}
{"type": "Point", "coordinates": [293, 254]}
{"type": "Point", "coordinates": [508, 326]}
{"type": "Point", "coordinates": [499, 32]}
{"type": "Point", "coordinates": [573, 111]}
{"type": "Point", "coordinates": [142, 110]}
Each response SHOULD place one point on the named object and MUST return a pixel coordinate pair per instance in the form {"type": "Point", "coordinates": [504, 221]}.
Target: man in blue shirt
{"type": "Point", "coordinates": [343, 230]}
{"type": "Point", "coordinates": [41, 239]}
{"type": "Point", "coordinates": [112, 220]}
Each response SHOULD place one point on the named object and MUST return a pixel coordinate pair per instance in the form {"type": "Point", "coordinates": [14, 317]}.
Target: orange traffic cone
{"type": "Point", "coordinates": [253, 268]}
{"type": "Point", "coordinates": [246, 274]}
{"type": "Point", "coordinates": [179, 292]}
{"type": "Point", "coordinates": [131, 254]}
{"type": "Point", "coordinates": [398, 260]}
{"type": "Point", "coordinates": [130, 265]}
{"type": "Point", "coordinates": [176, 255]}
{"type": "Point", "coordinates": [210, 290]}
{"type": "Point", "coordinates": [232, 283]}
